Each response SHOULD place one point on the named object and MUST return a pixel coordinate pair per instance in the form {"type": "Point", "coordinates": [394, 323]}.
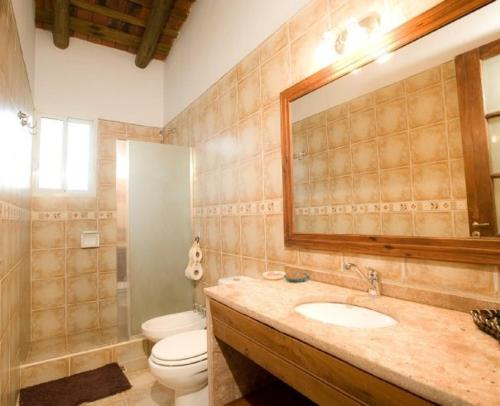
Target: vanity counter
{"type": "Point", "coordinates": [436, 353]}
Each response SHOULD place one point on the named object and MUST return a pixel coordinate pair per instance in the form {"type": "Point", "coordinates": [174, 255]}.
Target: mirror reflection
{"type": "Point", "coordinates": [379, 151]}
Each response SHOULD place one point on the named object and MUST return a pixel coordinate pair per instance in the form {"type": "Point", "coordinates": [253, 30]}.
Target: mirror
{"type": "Point", "coordinates": [387, 150]}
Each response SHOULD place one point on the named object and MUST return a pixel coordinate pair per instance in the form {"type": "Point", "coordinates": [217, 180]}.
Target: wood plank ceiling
{"type": "Point", "coordinates": [146, 28]}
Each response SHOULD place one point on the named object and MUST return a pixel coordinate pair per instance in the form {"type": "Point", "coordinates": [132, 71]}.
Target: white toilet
{"type": "Point", "coordinates": [179, 358]}
{"type": "Point", "coordinates": [180, 363]}
{"type": "Point", "coordinates": [164, 326]}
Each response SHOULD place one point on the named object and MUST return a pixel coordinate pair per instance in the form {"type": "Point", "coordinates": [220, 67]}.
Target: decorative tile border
{"type": "Point", "coordinates": [395, 207]}
{"type": "Point", "coordinates": [72, 215]}
{"type": "Point", "coordinates": [240, 209]}
{"type": "Point", "coordinates": [9, 211]}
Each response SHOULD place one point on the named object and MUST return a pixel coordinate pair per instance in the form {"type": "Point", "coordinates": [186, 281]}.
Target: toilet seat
{"type": "Point", "coordinates": [181, 349]}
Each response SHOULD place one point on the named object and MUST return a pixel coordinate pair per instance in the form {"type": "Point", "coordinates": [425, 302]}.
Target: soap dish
{"type": "Point", "coordinates": [273, 275]}
{"type": "Point", "coordinates": [304, 277]}
{"type": "Point", "coordinates": [488, 321]}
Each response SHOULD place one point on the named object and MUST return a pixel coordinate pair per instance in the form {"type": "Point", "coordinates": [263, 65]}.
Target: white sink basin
{"type": "Point", "coordinates": [345, 315]}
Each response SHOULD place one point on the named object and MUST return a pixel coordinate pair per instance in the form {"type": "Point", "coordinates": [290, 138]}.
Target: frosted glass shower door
{"type": "Point", "coordinates": [159, 228]}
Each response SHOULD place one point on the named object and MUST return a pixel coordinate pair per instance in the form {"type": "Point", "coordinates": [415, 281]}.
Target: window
{"type": "Point", "coordinates": [66, 156]}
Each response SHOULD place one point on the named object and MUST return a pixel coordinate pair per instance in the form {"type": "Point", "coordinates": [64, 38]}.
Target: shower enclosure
{"type": "Point", "coordinates": [154, 232]}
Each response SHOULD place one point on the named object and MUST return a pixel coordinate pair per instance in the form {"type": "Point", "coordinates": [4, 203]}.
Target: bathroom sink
{"type": "Point", "coordinates": [345, 315]}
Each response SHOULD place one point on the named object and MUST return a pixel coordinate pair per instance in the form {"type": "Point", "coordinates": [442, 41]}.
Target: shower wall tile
{"type": "Point", "coordinates": [15, 202]}
{"type": "Point", "coordinates": [74, 289]}
{"type": "Point", "coordinates": [392, 124]}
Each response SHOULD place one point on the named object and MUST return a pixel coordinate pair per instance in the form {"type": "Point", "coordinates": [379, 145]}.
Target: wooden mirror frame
{"type": "Point", "coordinates": [469, 250]}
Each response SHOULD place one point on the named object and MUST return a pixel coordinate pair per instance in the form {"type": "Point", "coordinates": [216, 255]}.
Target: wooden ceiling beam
{"type": "Point", "coordinates": [98, 30]}
{"type": "Point", "coordinates": [156, 23]}
{"type": "Point", "coordinates": [117, 15]}
{"type": "Point", "coordinates": [60, 29]}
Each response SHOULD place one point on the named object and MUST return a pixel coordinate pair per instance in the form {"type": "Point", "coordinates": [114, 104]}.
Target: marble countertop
{"type": "Point", "coordinates": [436, 353]}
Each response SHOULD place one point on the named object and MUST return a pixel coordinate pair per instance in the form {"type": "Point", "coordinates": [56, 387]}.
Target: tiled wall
{"type": "Point", "coordinates": [74, 289]}
{"type": "Point", "coordinates": [15, 198]}
{"type": "Point", "coordinates": [389, 162]}
{"type": "Point", "coordinates": [234, 129]}
{"type": "Point", "coordinates": [132, 355]}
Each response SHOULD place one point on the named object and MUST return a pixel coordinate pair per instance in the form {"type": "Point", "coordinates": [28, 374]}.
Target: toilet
{"type": "Point", "coordinates": [179, 358]}
{"type": "Point", "coordinates": [179, 362]}
{"type": "Point", "coordinates": [164, 326]}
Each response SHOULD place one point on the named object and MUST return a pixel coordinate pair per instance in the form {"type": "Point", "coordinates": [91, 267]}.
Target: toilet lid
{"type": "Point", "coordinates": [181, 346]}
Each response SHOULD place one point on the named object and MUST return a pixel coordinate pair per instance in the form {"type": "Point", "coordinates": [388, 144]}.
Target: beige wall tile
{"type": "Point", "coordinates": [303, 51]}
{"type": "Point", "coordinates": [108, 313]}
{"type": "Point", "coordinates": [231, 265]}
{"type": "Point", "coordinates": [364, 156]}
{"type": "Point", "coordinates": [47, 323]}
{"type": "Point", "coordinates": [428, 144]}
{"type": "Point", "coordinates": [107, 172]}
{"type": "Point", "coordinates": [274, 43]}
{"type": "Point", "coordinates": [459, 277]}
{"type": "Point", "coordinates": [249, 94]}
{"type": "Point", "coordinates": [395, 185]}
{"type": "Point", "coordinates": [425, 107]}
{"type": "Point", "coordinates": [458, 187]}
{"type": "Point", "coordinates": [271, 136]}
{"type": "Point", "coordinates": [273, 186]}
{"type": "Point", "coordinates": [338, 133]}
{"type": "Point", "coordinates": [47, 234]}
{"type": "Point", "coordinates": [82, 288]}
{"type": "Point", "coordinates": [107, 231]}
{"type": "Point", "coordinates": [47, 294]}
{"type": "Point", "coordinates": [47, 264]}
{"type": "Point", "coordinates": [276, 250]}
{"type": "Point", "coordinates": [107, 148]}
{"type": "Point", "coordinates": [337, 112]}
{"type": "Point", "coordinates": [81, 203]}
{"type": "Point", "coordinates": [431, 181]}
{"type": "Point", "coordinates": [455, 139]}
{"type": "Point", "coordinates": [342, 224]}
{"type": "Point", "coordinates": [107, 259]}
{"type": "Point", "coordinates": [44, 372]}
{"type": "Point", "coordinates": [366, 188]}
{"type": "Point", "coordinates": [339, 161]}
{"type": "Point", "coordinates": [361, 102]}
{"type": "Point", "coordinates": [252, 232]}
{"type": "Point", "coordinates": [391, 117]}
{"type": "Point", "coordinates": [249, 136]}
{"type": "Point", "coordinates": [341, 190]}
{"type": "Point", "coordinates": [306, 17]}
{"type": "Point", "coordinates": [107, 198]}
{"type": "Point", "coordinates": [320, 260]}
{"type": "Point", "coordinates": [89, 361]}
{"type": "Point", "coordinates": [82, 317]}
{"type": "Point", "coordinates": [393, 151]}
{"type": "Point", "coordinates": [229, 185]}
{"type": "Point", "coordinates": [451, 98]}
{"type": "Point", "coordinates": [317, 140]}
{"type": "Point", "coordinates": [228, 104]}
{"type": "Point", "coordinates": [275, 76]}
{"type": "Point", "coordinates": [367, 223]}
{"type": "Point", "coordinates": [248, 64]}
{"type": "Point", "coordinates": [81, 261]}
{"type": "Point", "coordinates": [250, 181]}
{"type": "Point", "coordinates": [252, 267]}
{"type": "Point", "coordinates": [74, 230]}
{"type": "Point", "coordinates": [212, 267]}
{"type": "Point", "coordinates": [107, 285]}
{"type": "Point", "coordinates": [230, 231]}
{"type": "Point", "coordinates": [424, 79]}
{"type": "Point", "coordinates": [397, 224]}
{"type": "Point", "coordinates": [433, 224]}
{"type": "Point", "coordinates": [320, 195]}
{"type": "Point", "coordinates": [48, 203]}
{"type": "Point", "coordinates": [362, 125]}
{"type": "Point", "coordinates": [394, 91]}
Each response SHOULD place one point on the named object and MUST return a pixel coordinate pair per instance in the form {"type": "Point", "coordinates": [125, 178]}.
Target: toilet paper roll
{"type": "Point", "coordinates": [194, 272]}
{"type": "Point", "coordinates": [195, 254]}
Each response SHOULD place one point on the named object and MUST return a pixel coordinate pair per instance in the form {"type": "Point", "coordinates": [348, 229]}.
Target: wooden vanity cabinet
{"type": "Point", "coordinates": [321, 377]}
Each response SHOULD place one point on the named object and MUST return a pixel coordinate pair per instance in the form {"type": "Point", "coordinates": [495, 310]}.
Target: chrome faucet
{"type": "Point", "coordinates": [372, 278]}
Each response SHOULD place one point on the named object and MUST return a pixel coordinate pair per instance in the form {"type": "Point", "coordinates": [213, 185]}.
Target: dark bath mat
{"type": "Point", "coordinates": [76, 389]}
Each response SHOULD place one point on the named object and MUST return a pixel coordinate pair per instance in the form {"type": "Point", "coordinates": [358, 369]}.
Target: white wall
{"type": "Point", "coordinates": [24, 11]}
{"type": "Point", "coordinates": [216, 36]}
{"type": "Point", "coordinates": [93, 81]}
